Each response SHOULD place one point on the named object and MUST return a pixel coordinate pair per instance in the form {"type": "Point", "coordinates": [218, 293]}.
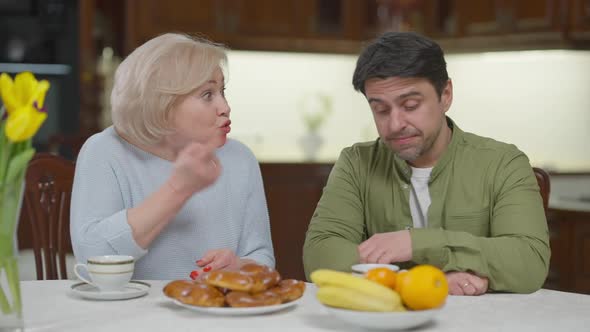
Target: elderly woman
{"type": "Point", "coordinates": [165, 184]}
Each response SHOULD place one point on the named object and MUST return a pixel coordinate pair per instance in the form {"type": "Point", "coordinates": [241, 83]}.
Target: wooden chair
{"type": "Point", "coordinates": [544, 186]}
{"type": "Point", "coordinates": [45, 216]}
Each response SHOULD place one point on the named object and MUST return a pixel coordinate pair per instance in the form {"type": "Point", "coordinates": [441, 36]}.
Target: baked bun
{"type": "Point", "coordinates": [252, 278]}
{"type": "Point", "coordinates": [243, 299]}
{"type": "Point", "coordinates": [263, 276]}
{"type": "Point", "coordinates": [289, 290]}
{"type": "Point", "coordinates": [192, 293]}
{"type": "Point", "coordinates": [232, 280]}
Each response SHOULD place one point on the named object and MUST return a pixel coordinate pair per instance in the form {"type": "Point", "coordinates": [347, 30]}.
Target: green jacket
{"type": "Point", "coordinates": [486, 214]}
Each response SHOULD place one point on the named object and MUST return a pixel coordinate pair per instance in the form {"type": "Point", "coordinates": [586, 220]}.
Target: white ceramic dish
{"type": "Point", "coordinates": [227, 311]}
{"type": "Point", "coordinates": [132, 290]}
{"type": "Point", "coordinates": [363, 268]}
{"type": "Point", "coordinates": [384, 320]}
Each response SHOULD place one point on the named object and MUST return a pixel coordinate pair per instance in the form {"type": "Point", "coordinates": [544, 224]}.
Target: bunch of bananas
{"type": "Point", "coordinates": [344, 290]}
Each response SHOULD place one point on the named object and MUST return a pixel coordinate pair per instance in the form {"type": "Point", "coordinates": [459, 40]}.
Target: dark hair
{"type": "Point", "coordinates": [401, 54]}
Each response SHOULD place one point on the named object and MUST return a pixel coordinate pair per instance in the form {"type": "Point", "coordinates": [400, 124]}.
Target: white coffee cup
{"type": "Point", "coordinates": [108, 272]}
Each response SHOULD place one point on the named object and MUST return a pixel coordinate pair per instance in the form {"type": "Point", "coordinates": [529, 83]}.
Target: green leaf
{"type": "Point", "coordinates": [5, 151]}
{"type": "Point", "coordinates": [2, 135]}
{"type": "Point", "coordinates": [18, 164]}
{"type": "Point", "coordinates": [4, 304]}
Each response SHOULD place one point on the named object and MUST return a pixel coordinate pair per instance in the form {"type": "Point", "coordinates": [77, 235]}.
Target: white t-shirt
{"type": "Point", "coordinates": [420, 196]}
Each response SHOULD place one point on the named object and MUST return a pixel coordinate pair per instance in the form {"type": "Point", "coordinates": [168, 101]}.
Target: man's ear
{"type": "Point", "coordinates": [447, 96]}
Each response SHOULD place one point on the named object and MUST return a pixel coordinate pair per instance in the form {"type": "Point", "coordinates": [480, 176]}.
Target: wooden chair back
{"type": "Point", "coordinates": [544, 186]}
{"type": "Point", "coordinates": [45, 216]}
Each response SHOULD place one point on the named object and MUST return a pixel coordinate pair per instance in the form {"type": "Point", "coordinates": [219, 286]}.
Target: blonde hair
{"type": "Point", "coordinates": [154, 77]}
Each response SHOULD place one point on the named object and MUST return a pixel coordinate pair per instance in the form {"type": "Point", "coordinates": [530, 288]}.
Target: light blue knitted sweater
{"type": "Point", "coordinates": [113, 176]}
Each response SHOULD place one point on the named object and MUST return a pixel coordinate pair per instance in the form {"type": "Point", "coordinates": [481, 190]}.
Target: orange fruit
{"type": "Point", "coordinates": [399, 280]}
{"type": "Point", "coordinates": [423, 287]}
{"type": "Point", "coordinates": [382, 275]}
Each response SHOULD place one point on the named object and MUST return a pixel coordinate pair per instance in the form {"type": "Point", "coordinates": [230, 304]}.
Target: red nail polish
{"type": "Point", "coordinates": [207, 269]}
{"type": "Point", "coordinates": [194, 275]}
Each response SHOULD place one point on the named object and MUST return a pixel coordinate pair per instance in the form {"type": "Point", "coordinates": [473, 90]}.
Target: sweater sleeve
{"type": "Point", "coordinates": [98, 217]}
{"type": "Point", "coordinates": [255, 241]}
{"type": "Point", "coordinates": [337, 225]}
{"type": "Point", "coordinates": [515, 257]}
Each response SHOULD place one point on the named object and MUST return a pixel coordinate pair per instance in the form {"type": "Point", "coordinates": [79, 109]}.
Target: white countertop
{"type": "Point", "coordinates": [52, 306]}
{"type": "Point", "coordinates": [565, 204]}
{"type": "Point", "coordinates": [567, 192]}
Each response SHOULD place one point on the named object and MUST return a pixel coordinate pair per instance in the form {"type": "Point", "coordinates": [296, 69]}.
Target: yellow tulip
{"type": "Point", "coordinates": [23, 123]}
{"type": "Point", "coordinates": [23, 91]}
{"type": "Point", "coordinates": [23, 99]}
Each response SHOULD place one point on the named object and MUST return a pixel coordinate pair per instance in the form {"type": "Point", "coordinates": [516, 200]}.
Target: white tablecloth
{"type": "Point", "coordinates": [52, 306]}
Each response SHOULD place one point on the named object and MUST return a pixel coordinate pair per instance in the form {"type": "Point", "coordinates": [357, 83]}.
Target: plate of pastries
{"type": "Point", "coordinates": [253, 289]}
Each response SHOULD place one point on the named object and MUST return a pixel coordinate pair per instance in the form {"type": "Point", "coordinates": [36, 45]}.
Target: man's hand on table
{"type": "Point", "coordinates": [465, 283]}
{"type": "Point", "coordinates": [386, 248]}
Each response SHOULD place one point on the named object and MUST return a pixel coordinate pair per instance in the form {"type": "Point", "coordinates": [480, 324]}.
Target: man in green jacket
{"type": "Point", "coordinates": [426, 192]}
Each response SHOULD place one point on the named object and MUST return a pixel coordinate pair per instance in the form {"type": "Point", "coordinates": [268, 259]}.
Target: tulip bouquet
{"type": "Point", "coordinates": [21, 116]}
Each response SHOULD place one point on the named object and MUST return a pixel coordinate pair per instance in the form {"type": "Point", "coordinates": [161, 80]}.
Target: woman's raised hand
{"type": "Point", "coordinates": [196, 167]}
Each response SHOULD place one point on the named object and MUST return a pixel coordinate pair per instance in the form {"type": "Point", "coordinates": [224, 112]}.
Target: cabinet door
{"type": "Point", "coordinates": [149, 18]}
{"type": "Point", "coordinates": [482, 17]}
{"type": "Point", "coordinates": [570, 251]}
{"type": "Point", "coordinates": [580, 19]}
{"type": "Point", "coordinates": [340, 19]}
{"type": "Point", "coordinates": [297, 25]}
{"type": "Point", "coordinates": [493, 17]}
{"type": "Point", "coordinates": [263, 18]}
{"type": "Point", "coordinates": [559, 240]}
{"type": "Point", "coordinates": [297, 19]}
{"type": "Point", "coordinates": [539, 15]}
{"type": "Point", "coordinates": [581, 253]}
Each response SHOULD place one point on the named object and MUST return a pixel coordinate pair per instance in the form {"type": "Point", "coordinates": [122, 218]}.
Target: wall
{"type": "Point", "coordinates": [538, 100]}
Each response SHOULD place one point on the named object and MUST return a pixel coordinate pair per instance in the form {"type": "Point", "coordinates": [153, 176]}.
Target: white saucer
{"type": "Point", "coordinates": [132, 290]}
{"type": "Point", "coordinates": [364, 268]}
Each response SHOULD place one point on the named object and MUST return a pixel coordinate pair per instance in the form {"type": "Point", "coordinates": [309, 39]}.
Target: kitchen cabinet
{"type": "Point", "coordinates": [492, 17]}
{"type": "Point", "coordinates": [264, 18]}
{"type": "Point", "coordinates": [289, 25]}
{"type": "Point", "coordinates": [488, 25]}
{"type": "Point", "coordinates": [580, 20]}
{"type": "Point", "coordinates": [570, 249]}
{"type": "Point", "coordinates": [220, 20]}
{"type": "Point", "coordinates": [146, 19]}
{"type": "Point", "coordinates": [341, 26]}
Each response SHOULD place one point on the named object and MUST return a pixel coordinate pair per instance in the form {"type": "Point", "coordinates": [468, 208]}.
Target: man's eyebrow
{"type": "Point", "coordinates": [398, 98]}
{"type": "Point", "coordinates": [375, 100]}
{"type": "Point", "coordinates": [408, 94]}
